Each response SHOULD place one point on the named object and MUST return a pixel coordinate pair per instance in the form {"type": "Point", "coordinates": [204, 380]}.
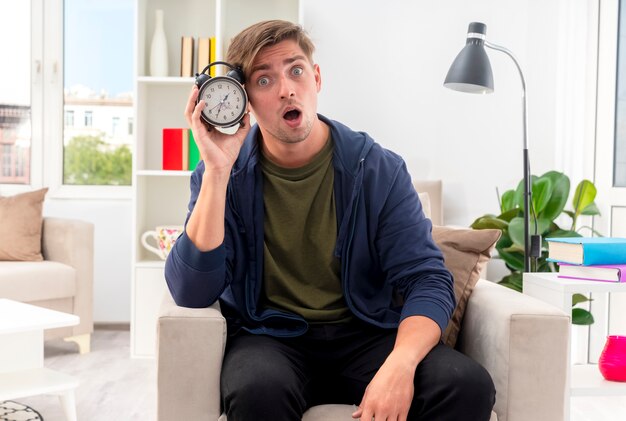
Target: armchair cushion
{"type": "Point", "coordinates": [20, 226]}
{"type": "Point", "coordinates": [465, 252]}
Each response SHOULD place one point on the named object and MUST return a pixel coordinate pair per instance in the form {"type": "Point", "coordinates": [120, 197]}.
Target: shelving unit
{"type": "Point", "coordinates": [161, 197]}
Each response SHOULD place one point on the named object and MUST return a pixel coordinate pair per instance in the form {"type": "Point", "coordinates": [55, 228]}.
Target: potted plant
{"type": "Point", "coordinates": [548, 218]}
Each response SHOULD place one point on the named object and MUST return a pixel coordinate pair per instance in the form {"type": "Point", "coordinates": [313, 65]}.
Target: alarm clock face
{"type": "Point", "coordinates": [225, 99]}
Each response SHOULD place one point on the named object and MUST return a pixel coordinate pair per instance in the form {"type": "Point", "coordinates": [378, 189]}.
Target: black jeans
{"type": "Point", "coordinates": [278, 379]}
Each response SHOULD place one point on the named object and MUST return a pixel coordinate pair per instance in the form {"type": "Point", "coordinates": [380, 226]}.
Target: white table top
{"type": "Point", "coordinates": [21, 317]}
{"type": "Point", "coordinates": [551, 280]}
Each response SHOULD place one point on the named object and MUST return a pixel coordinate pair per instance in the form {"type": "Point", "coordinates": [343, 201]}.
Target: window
{"type": "Point", "coordinates": [15, 92]}
{"type": "Point", "coordinates": [69, 118]}
{"type": "Point", "coordinates": [98, 55]}
{"type": "Point", "coordinates": [88, 118]}
{"type": "Point", "coordinates": [130, 126]}
{"type": "Point", "coordinates": [80, 54]}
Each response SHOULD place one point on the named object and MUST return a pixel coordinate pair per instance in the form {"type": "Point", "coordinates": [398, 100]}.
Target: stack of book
{"type": "Point", "coordinates": [590, 258]}
{"type": "Point", "coordinates": [180, 152]}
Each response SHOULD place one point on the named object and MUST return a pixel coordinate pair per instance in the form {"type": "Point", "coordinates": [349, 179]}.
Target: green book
{"type": "Point", "coordinates": [194, 153]}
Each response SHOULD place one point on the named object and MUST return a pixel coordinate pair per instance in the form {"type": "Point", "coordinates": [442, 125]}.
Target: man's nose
{"type": "Point", "coordinates": [286, 88]}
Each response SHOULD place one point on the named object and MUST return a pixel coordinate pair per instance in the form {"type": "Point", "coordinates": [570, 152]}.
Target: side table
{"type": "Point", "coordinates": [22, 372]}
{"type": "Point", "coordinates": [585, 379]}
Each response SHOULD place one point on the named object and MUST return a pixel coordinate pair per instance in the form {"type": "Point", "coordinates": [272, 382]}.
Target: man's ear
{"type": "Point", "coordinates": [318, 77]}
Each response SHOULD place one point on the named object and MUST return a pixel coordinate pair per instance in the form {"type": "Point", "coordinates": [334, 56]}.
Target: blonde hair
{"type": "Point", "coordinates": [247, 44]}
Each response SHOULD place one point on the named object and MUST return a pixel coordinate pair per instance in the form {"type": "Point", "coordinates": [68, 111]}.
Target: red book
{"type": "Point", "coordinates": [173, 149]}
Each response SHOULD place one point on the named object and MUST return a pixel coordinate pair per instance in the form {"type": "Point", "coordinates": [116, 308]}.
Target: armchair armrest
{"type": "Point", "coordinates": [190, 348]}
{"type": "Point", "coordinates": [71, 241]}
{"type": "Point", "coordinates": [524, 344]}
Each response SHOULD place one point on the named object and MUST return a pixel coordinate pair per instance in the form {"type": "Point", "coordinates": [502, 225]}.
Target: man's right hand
{"type": "Point", "coordinates": [218, 150]}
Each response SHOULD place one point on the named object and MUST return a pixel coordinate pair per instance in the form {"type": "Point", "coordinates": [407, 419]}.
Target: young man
{"type": "Point", "coordinates": [306, 231]}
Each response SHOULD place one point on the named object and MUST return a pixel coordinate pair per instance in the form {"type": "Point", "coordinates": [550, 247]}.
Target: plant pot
{"type": "Point", "coordinates": [612, 362]}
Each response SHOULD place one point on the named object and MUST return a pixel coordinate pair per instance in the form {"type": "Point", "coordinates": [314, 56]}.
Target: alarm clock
{"type": "Point", "coordinates": [225, 98]}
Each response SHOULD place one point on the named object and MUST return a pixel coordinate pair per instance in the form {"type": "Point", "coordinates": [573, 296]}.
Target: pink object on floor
{"type": "Point", "coordinates": [612, 362]}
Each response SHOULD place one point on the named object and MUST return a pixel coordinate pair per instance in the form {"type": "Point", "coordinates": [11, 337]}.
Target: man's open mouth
{"type": "Point", "coordinates": [291, 115]}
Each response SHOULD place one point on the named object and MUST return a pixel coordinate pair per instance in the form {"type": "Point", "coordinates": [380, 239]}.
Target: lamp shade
{"type": "Point", "coordinates": [471, 70]}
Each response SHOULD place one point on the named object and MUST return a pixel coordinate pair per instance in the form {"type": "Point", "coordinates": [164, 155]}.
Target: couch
{"type": "Point", "coordinates": [521, 341]}
{"type": "Point", "coordinates": [63, 281]}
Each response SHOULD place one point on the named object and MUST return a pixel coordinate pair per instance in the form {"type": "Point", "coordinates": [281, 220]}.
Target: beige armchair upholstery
{"type": "Point", "coordinates": [521, 341]}
{"type": "Point", "coordinates": [63, 281]}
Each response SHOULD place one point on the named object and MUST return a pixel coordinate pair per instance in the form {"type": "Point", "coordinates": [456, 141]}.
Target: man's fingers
{"type": "Point", "coordinates": [191, 104]}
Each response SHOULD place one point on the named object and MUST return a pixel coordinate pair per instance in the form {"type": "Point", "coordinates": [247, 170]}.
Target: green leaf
{"type": "Point", "coordinates": [514, 260]}
{"type": "Point", "coordinates": [487, 222]}
{"type": "Point", "coordinates": [513, 281]}
{"type": "Point", "coordinates": [508, 201]}
{"type": "Point", "coordinates": [519, 191]}
{"type": "Point", "coordinates": [581, 317]}
{"type": "Point", "coordinates": [558, 198]}
{"type": "Point", "coordinates": [563, 234]}
{"type": "Point", "coordinates": [510, 214]}
{"type": "Point", "coordinates": [541, 193]}
{"type": "Point", "coordinates": [569, 213]}
{"type": "Point", "coordinates": [516, 229]}
{"type": "Point", "coordinates": [591, 209]}
{"type": "Point", "coordinates": [579, 298]}
{"type": "Point", "coordinates": [583, 196]}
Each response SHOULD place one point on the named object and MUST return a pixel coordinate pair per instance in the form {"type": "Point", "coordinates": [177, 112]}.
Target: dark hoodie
{"type": "Point", "coordinates": [384, 244]}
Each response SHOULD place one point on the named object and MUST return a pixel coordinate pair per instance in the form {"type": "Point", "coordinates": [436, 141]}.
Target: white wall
{"type": "Point", "coordinates": [383, 65]}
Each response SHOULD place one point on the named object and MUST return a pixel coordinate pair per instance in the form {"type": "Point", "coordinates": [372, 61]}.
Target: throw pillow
{"type": "Point", "coordinates": [20, 226]}
{"type": "Point", "coordinates": [465, 252]}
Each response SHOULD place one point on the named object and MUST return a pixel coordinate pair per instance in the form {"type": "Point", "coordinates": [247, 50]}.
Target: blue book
{"type": "Point", "coordinates": [587, 250]}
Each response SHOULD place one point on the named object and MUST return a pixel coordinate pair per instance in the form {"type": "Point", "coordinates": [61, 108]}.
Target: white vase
{"type": "Point", "coordinates": [158, 48]}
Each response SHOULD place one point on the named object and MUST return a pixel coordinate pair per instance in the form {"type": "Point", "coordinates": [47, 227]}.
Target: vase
{"type": "Point", "coordinates": [158, 47]}
{"type": "Point", "coordinates": [612, 362]}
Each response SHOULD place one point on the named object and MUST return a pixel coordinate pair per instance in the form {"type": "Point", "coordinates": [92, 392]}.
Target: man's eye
{"type": "Point", "coordinates": [263, 81]}
{"type": "Point", "coordinates": [297, 71]}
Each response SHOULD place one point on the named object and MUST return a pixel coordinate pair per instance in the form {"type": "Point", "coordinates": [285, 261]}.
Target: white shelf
{"type": "Point", "coordinates": [162, 173]}
{"type": "Point", "coordinates": [588, 381]}
{"type": "Point", "coordinates": [166, 80]}
{"type": "Point", "coordinates": [37, 381]}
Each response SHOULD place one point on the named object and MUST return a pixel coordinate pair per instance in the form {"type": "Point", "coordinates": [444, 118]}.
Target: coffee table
{"type": "Point", "coordinates": [22, 372]}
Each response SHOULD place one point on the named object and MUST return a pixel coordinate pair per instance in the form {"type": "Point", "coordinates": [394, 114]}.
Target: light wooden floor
{"type": "Point", "coordinates": [112, 385]}
{"type": "Point", "coordinates": [115, 387]}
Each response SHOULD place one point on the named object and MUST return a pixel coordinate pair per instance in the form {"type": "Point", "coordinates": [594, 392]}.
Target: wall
{"type": "Point", "coordinates": [383, 66]}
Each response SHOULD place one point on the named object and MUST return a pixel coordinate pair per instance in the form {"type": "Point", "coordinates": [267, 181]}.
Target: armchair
{"type": "Point", "coordinates": [521, 341]}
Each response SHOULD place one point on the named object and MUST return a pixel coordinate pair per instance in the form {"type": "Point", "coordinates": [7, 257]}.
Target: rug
{"type": "Point", "coordinates": [14, 411]}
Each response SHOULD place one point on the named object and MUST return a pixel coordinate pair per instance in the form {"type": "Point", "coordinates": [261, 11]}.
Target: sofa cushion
{"type": "Point", "coordinates": [466, 252]}
{"type": "Point", "coordinates": [20, 226]}
{"type": "Point", "coordinates": [36, 281]}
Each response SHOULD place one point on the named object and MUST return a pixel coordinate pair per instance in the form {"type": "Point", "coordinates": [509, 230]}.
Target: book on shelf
{"type": "Point", "coordinates": [180, 152]}
{"type": "Point", "coordinates": [194, 153]}
{"type": "Point", "coordinates": [603, 273]}
{"type": "Point", "coordinates": [204, 53]}
{"type": "Point", "coordinates": [173, 149]}
{"type": "Point", "coordinates": [186, 56]}
{"type": "Point", "coordinates": [587, 250]}
{"type": "Point", "coordinates": [213, 55]}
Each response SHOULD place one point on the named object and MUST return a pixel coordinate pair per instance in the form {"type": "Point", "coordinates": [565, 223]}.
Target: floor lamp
{"type": "Point", "coordinates": [471, 72]}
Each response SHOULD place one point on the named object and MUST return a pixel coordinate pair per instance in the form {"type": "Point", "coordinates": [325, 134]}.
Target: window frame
{"type": "Point", "coordinates": [47, 61]}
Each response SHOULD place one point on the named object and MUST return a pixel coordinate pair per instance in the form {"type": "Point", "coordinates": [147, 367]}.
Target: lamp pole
{"type": "Point", "coordinates": [525, 153]}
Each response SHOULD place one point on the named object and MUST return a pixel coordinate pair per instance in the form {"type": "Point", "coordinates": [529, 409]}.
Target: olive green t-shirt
{"type": "Point", "coordinates": [301, 272]}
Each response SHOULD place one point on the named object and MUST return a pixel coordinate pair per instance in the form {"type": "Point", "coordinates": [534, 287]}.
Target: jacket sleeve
{"type": "Point", "coordinates": [412, 261]}
{"type": "Point", "coordinates": [195, 278]}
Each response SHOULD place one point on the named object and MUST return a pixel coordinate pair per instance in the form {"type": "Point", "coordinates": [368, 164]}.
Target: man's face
{"type": "Point", "coordinates": [282, 88]}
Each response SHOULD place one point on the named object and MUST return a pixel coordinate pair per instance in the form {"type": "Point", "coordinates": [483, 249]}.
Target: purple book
{"type": "Point", "coordinates": [603, 273]}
